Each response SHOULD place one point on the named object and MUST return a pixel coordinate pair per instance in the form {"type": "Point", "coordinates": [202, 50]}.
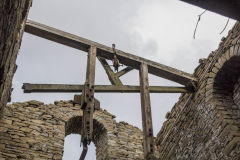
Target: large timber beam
{"type": "Point", "coordinates": [30, 88]}
{"type": "Point", "coordinates": [107, 53]}
{"type": "Point", "coordinates": [229, 8]}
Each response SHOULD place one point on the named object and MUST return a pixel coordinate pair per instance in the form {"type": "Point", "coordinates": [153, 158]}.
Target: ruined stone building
{"type": "Point", "coordinates": [202, 125]}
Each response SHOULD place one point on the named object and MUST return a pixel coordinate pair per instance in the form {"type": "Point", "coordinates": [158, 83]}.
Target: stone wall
{"type": "Point", "coordinates": [13, 15]}
{"type": "Point", "coordinates": [206, 125]}
{"type": "Point", "coordinates": [236, 93]}
{"type": "Point", "coordinates": [32, 130]}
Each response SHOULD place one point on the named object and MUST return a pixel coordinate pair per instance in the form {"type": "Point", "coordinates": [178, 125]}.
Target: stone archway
{"type": "Point", "coordinates": [223, 95]}
{"type": "Point", "coordinates": [101, 138]}
{"type": "Point", "coordinates": [33, 130]}
{"type": "Point", "coordinates": [224, 73]}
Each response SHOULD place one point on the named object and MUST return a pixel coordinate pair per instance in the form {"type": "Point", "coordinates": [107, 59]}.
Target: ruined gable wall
{"type": "Point", "coordinates": [32, 130]}
{"type": "Point", "coordinates": [205, 125]}
{"type": "Point", "coordinates": [13, 15]}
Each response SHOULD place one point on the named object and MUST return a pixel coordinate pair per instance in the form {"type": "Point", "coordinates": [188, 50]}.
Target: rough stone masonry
{"type": "Point", "coordinates": [32, 130]}
{"type": "Point", "coordinates": [204, 125]}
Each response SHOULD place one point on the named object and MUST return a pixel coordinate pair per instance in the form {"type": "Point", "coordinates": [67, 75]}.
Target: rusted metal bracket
{"type": "Point", "coordinates": [115, 60]}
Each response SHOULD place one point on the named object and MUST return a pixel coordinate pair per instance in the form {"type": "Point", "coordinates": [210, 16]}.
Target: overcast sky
{"type": "Point", "coordinates": [160, 30]}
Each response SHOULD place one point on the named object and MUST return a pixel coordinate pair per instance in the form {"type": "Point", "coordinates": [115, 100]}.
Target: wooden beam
{"type": "Point", "coordinates": [148, 142]}
{"type": "Point", "coordinates": [107, 53]}
{"type": "Point", "coordinates": [87, 101]}
{"type": "Point", "coordinates": [228, 8]}
{"type": "Point", "coordinates": [113, 78]}
{"type": "Point", "coordinates": [124, 71]}
{"type": "Point", "coordinates": [31, 88]}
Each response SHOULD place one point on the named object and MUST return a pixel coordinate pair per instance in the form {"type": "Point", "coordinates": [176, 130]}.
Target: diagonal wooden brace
{"type": "Point", "coordinates": [87, 103]}
{"type": "Point", "coordinates": [113, 77]}
{"type": "Point", "coordinates": [124, 71]}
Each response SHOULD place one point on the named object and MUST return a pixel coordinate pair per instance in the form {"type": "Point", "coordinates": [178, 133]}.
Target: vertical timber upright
{"type": "Point", "coordinates": [87, 103]}
{"type": "Point", "coordinates": [146, 111]}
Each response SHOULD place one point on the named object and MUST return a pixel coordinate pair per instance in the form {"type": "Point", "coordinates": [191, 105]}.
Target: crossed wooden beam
{"type": "Point", "coordinates": [103, 53]}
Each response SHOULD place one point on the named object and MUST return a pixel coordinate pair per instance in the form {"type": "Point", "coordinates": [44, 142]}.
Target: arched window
{"type": "Point", "coordinates": [223, 95]}
{"type": "Point", "coordinates": [73, 132]}
{"type": "Point", "coordinates": [226, 83]}
{"type": "Point", "coordinates": [72, 149]}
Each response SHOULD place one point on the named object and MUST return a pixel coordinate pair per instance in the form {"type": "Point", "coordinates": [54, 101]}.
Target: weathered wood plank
{"type": "Point", "coordinates": [148, 142]}
{"type": "Point", "coordinates": [87, 103]}
{"type": "Point", "coordinates": [13, 15]}
{"type": "Point", "coordinates": [30, 88]}
{"type": "Point", "coordinates": [113, 78]}
{"type": "Point", "coordinates": [124, 71]}
{"type": "Point", "coordinates": [107, 53]}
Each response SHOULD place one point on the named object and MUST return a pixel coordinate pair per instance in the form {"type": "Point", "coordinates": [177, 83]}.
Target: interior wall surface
{"type": "Point", "coordinates": [206, 124]}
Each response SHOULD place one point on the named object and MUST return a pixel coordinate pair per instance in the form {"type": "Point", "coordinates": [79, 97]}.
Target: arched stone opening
{"type": "Point", "coordinates": [226, 83]}
{"type": "Point", "coordinates": [223, 96]}
{"type": "Point", "coordinates": [73, 149]}
{"type": "Point", "coordinates": [223, 76]}
{"type": "Point", "coordinates": [73, 126]}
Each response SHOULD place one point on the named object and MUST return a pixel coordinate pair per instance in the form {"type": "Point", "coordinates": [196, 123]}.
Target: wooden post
{"type": "Point", "coordinates": [148, 143]}
{"type": "Point", "coordinates": [88, 97]}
